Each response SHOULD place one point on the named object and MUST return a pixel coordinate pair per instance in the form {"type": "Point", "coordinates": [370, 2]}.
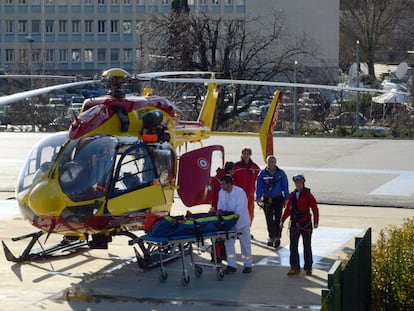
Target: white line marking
{"type": "Point", "coordinates": [325, 240]}
{"type": "Point", "coordinates": [402, 185]}
{"type": "Point", "coordinates": [348, 170]}
{"type": "Point", "coordinates": [8, 208]}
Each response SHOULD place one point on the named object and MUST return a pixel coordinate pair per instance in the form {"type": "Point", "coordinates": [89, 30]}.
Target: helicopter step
{"type": "Point", "coordinates": [41, 253]}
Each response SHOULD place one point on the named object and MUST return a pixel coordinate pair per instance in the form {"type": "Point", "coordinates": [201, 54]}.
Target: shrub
{"type": "Point", "coordinates": [393, 268]}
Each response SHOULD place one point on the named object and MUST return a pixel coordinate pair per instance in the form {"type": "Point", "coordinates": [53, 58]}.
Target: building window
{"type": "Point", "coordinates": [50, 2]}
{"type": "Point", "coordinates": [63, 26]}
{"type": "Point", "coordinates": [228, 2]}
{"type": "Point", "coordinates": [140, 2]}
{"type": "Point", "coordinates": [114, 2]}
{"type": "Point", "coordinates": [127, 1]}
{"type": "Point", "coordinates": [127, 26]}
{"type": "Point", "coordinates": [36, 26]}
{"type": "Point", "coordinates": [75, 2]}
{"type": "Point", "coordinates": [63, 2]}
{"type": "Point", "coordinates": [114, 26]}
{"type": "Point", "coordinates": [9, 26]}
{"type": "Point", "coordinates": [101, 55]}
{"type": "Point", "coordinates": [89, 26]}
{"type": "Point", "coordinates": [50, 55]}
{"type": "Point", "coordinates": [22, 26]}
{"type": "Point", "coordinates": [21, 55]}
{"type": "Point", "coordinates": [215, 2]}
{"type": "Point", "coordinates": [36, 1]}
{"type": "Point", "coordinates": [101, 26]}
{"type": "Point", "coordinates": [76, 26]}
{"type": "Point", "coordinates": [127, 55]}
{"type": "Point", "coordinates": [9, 55]}
{"type": "Point", "coordinates": [88, 2]}
{"type": "Point", "coordinates": [36, 55]}
{"type": "Point", "coordinates": [165, 2]}
{"type": "Point", "coordinates": [22, 1]}
{"type": "Point", "coordinates": [9, 1]}
{"type": "Point", "coordinates": [49, 26]}
{"type": "Point", "coordinates": [114, 55]}
{"type": "Point", "coordinates": [88, 54]}
{"type": "Point", "coordinates": [101, 2]}
{"type": "Point", "coordinates": [63, 55]}
{"type": "Point", "coordinates": [139, 27]}
{"type": "Point", "coordinates": [75, 56]}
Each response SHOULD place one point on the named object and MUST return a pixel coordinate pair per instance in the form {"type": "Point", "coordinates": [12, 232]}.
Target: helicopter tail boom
{"type": "Point", "coordinates": [269, 124]}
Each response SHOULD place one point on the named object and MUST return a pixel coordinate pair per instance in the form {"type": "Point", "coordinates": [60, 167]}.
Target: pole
{"type": "Point", "coordinates": [357, 76]}
{"type": "Point", "coordinates": [295, 101]}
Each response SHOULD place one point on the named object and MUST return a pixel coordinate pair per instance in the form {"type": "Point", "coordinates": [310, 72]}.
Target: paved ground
{"type": "Point", "coordinates": [365, 173]}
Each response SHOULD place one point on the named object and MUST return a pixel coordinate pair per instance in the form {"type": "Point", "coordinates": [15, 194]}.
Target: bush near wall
{"type": "Point", "coordinates": [393, 268]}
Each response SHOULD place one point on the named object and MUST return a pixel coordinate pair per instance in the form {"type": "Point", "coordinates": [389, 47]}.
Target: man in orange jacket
{"type": "Point", "coordinates": [245, 175]}
{"type": "Point", "coordinates": [299, 206]}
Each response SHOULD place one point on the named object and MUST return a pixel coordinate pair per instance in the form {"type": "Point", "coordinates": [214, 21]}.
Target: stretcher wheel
{"type": "Point", "coordinates": [185, 279]}
{"type": "Point", "coordinates": [198, 271]}
{"type": "Point", "coordinates": [220, 274]}
{"type": "Point", "coordinates": [163, 275]}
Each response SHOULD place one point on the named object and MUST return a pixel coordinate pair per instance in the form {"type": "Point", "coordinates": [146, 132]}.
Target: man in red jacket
{"type": "Point", "coordinates": [245, 175]}
{"type": "Point", "coordinates": [299, 206]}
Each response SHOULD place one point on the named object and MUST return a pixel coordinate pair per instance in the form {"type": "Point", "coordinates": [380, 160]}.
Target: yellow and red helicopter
{"type": "Point", "coordinates": [119, 165]}
{"type": "Point", "coordinates": [116, 167]}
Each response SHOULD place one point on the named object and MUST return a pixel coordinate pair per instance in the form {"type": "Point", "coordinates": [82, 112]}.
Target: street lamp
{"type": "Point", "coordinates": [357, 78]}
{"type": "Point", "coordinates": [30, 58]}
{"type": "Point", "coordinates": [295, 100]}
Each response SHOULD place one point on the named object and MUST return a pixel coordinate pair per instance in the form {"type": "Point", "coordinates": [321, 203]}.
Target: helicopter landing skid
{"type": "Point", "coordinates": [29, 254]}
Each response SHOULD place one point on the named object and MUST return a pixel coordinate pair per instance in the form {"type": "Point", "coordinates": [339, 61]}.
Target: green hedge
{"type": "Point", "coordinates": [393, 268]}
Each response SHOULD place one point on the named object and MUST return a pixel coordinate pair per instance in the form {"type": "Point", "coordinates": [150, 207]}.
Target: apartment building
{"type": "Point", "coordinates": [88, 36]}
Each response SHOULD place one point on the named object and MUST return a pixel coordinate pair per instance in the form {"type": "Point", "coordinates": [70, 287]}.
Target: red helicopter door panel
{"type": "Point", "coordinates": [194, 174]}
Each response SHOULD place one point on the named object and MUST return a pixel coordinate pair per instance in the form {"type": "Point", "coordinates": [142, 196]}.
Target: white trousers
{"type": "Point", "coordinates": [245, 247]}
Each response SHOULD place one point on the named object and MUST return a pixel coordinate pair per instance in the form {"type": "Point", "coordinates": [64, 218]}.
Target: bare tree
{"type": "Point", "coordinates": [252, 49]}
{"type": "Point", "coordinates": [370, 22]}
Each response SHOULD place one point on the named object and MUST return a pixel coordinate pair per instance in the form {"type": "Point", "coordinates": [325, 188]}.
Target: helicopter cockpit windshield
{"type": "Point", "coordinates": [40, 160]}
{"type": "Point", "coordinates": [85, 167]}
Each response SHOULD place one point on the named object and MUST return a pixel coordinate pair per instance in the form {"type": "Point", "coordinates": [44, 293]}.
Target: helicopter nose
{"type": "Point", "coordinates": [46, 199]}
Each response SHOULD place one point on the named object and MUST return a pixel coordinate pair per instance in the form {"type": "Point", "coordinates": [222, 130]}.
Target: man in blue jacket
{"type": "Point", "coordinates": [272, 190]}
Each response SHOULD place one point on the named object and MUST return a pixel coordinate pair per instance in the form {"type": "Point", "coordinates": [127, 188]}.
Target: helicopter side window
{"type": "Point", "coordinates": [136, 170]}
{"type": "Point", "coordinates": [164, 161]}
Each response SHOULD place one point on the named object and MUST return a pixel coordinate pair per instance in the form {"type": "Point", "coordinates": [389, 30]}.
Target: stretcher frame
{"type": "Point", "coordinates": [183, 245]}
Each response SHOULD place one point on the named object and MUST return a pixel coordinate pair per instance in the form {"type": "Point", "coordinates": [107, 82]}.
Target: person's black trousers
{"type": "Point", "coordinates": [273, 213]}
{"type": "Point", "coordinates": [304, 230]}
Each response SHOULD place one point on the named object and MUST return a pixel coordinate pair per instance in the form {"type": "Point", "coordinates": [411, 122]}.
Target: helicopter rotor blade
{"type": "Point", "coordinates": [277, 84]}
{"type": "Point", "coordinates": [38, 77]}
{"type": "Point", "coordinates": [8, 99]}
{"type": "Point", "coordinates": [155, 75]}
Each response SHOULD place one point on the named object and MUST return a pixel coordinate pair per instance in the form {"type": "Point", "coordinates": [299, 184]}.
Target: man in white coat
{"type": "Point", "coordinates": [233, 199]}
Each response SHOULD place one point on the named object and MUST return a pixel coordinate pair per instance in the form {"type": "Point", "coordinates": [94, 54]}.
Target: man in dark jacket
{"type": "Point", "coordinates": [299, 206]}
{"type": "Point", "coordinates": [272, 191]}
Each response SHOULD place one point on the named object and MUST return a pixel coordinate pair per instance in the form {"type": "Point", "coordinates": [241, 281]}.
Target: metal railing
{"type": "Point", "coordinates": [349, 284]}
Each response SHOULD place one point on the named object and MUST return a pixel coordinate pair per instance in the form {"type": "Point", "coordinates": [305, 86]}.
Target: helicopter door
{"type": "Point", "coordinates": [194, 174]}
{"type": "Point", "coordinates": [136, 186]}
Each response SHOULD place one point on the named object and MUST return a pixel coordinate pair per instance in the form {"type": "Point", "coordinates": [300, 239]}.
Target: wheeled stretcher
{"type": "Point", "coordinates": [164, 246]}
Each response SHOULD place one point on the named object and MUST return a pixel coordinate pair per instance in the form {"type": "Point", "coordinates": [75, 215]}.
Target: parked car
{"type": "Point", "coordinates": [346, 119]}
{"type": "Point", "coordinates": [4, 118]}
{"type": "Point", "coordinates": [61, 123]}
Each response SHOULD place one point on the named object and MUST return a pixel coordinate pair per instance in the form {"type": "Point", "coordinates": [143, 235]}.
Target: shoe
{"type": "Point", "coordinates": [270, 241]}
{"type": "Point", "coordinates": [247, 270]}
{"type": "Point", "coordinates": [230, 269]}
{"type": "Point", "coordinates": [309, 272]}
{"type": "Point", "coordinates": [251, 237]}
{"type": "Point", "coordinates": [276, 243]}
{"type": "Point", "coordinates": [292, 272]}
